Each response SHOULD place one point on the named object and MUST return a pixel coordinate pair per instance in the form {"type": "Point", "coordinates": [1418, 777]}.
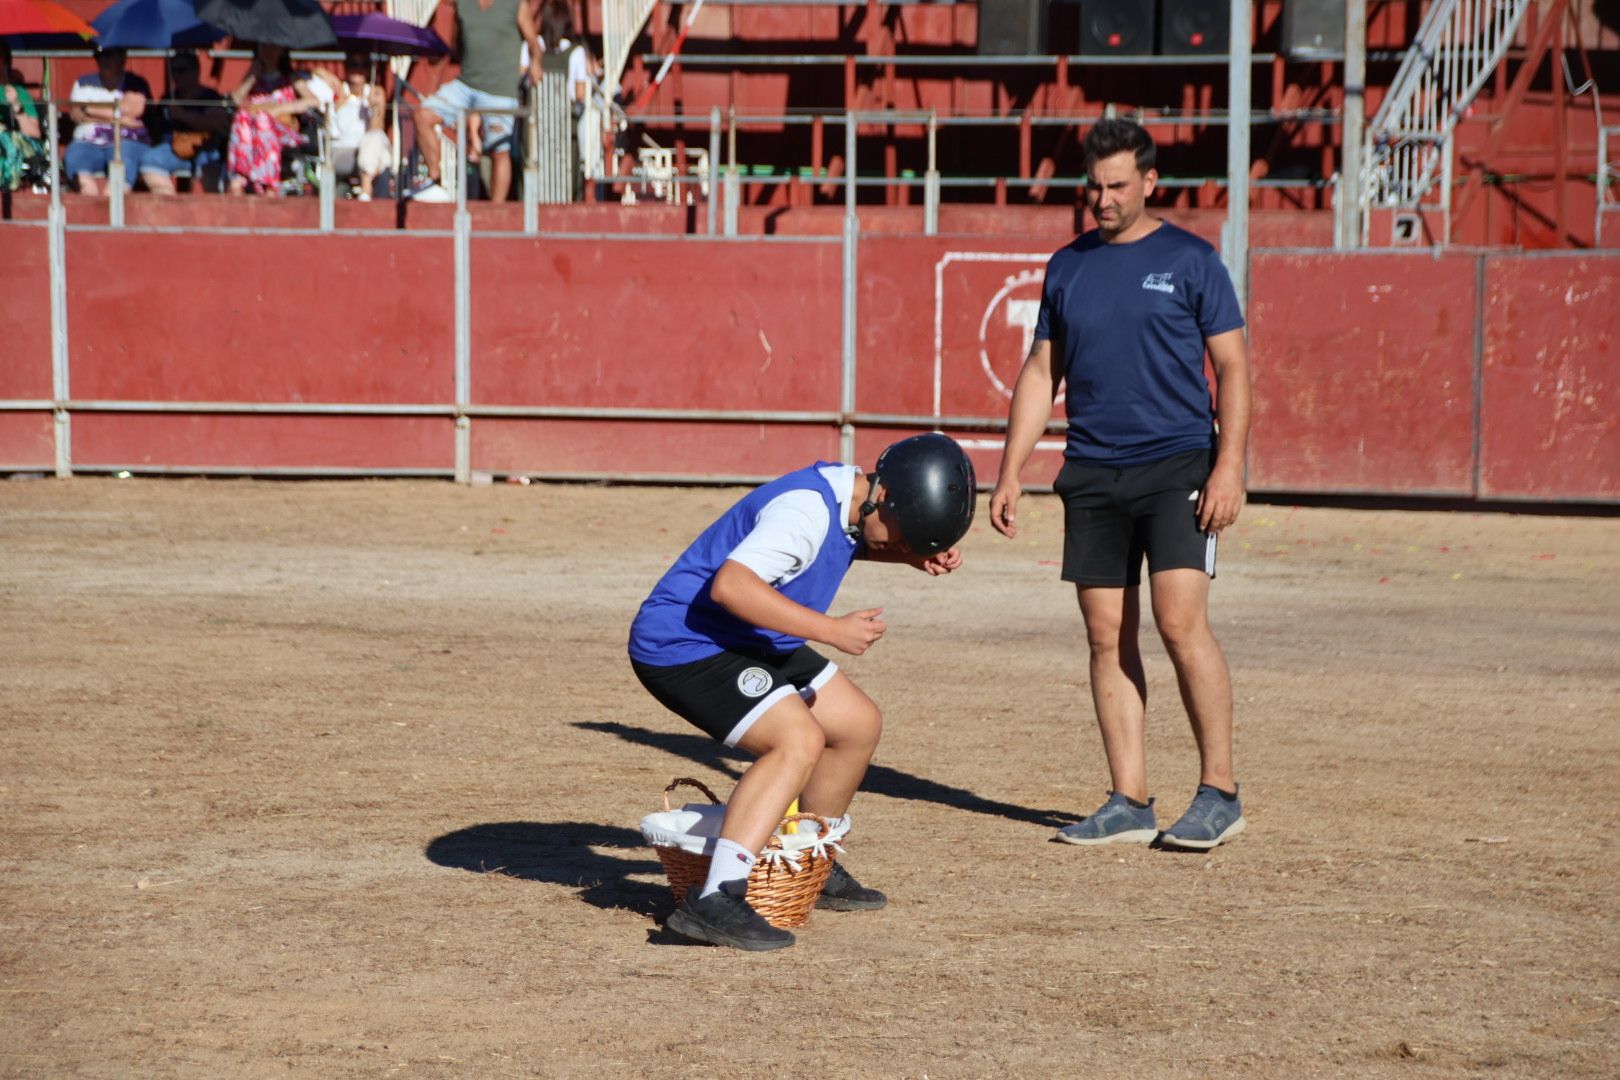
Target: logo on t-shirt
{"type": "Point", "coordinates": [1158, 283]}
{"type": "Point", "coordinates": [754, 682]}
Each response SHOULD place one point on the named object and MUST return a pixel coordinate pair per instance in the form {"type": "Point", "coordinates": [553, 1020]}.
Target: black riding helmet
{"type": "Point", "coordinates": [928, 486]}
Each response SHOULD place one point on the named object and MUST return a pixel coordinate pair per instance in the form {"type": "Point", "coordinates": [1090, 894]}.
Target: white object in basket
{"type": "Point", "coordinates": [696, 826]}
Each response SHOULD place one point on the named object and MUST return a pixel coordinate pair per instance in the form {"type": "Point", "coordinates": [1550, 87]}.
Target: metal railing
{"type": "Point", "coordinates": [1407, 147]}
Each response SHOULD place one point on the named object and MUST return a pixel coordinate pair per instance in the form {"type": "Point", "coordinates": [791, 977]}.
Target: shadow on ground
{"type": "Point", "coordinates": [563, 853]}
{"type": "Point", "coordinates": [880, 779]}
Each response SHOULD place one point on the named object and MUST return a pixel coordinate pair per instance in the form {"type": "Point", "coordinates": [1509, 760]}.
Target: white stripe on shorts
{"type": "Point", "coordinates": [776, 695]}
{"type": "Point", "coordinates": [1209, 554]}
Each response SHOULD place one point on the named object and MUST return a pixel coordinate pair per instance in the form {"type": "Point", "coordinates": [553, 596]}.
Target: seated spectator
{"type": "Point", "coordinates": [23, 158]}
{"type": "Point", "coordinates": [193, 134]}
{"type": "Point", "coordinates": [360, 146]}
{"type": "Point", "coordinates": [96, 98]}
{"type": "Point", "coordinates": [269, 102]}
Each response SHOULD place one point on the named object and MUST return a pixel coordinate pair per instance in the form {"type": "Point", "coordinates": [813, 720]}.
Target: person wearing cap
{"type": "Point", "coordinates": [98, 99]}
{"type": "Point", "coordinates": [722, 642]}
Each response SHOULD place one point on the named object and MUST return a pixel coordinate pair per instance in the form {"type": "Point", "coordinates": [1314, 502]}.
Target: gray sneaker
{"type": "Point", "coordinates": [1213, 818]}
{"type": "Point", "coordinates": [1115, 822]}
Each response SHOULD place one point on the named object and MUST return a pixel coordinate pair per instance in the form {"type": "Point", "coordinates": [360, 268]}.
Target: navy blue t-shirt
{"type": "Point", "coordinates": [1129, 323]}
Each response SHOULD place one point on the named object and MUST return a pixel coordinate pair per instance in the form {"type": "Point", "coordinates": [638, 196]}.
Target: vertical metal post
{"type": "Point", "coordinates": [531, 163]}
{"type": "Point", "coordinates": [714, 162]}
{"type": "Point", "coordinates": [1235, 249]}
{"type": "Point", "coordinates": [1347, 205]}
{"type": "Point", "coordinates": [733, 181]}
{"type": "Point", "coordinates": [328, 174]}
{"type": "Point", "coordinates": [115, 170]}
{"type": "Point", "coordinates": [57, 234]}
{"type": "Point", "coordinates": [931, 179]}
{"type": "Point", "coordinates": [463, 287]}
{"type": "Point", "coordinates": [1447, 151]}
{"type": "Point", "coordinates": [851, 269]}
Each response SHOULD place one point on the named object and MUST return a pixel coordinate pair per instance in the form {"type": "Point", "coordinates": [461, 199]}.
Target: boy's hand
{"type": "Point", "coordinates": [940, 563]}
{"type": "Point", "coordinates": [858, 631]}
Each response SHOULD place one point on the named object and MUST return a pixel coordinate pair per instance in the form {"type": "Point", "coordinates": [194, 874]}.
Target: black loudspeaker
{"type": "Point", "coordinates": [1012, 27]}
{"type": "Point", "coordinates": [1313, 29]}
{"type": "Point", "coordinates": [1194, 27]}
{"type": "Point", "coordinates": [1116, 27]}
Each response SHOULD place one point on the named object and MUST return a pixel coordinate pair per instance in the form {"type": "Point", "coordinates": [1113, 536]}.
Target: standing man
{"type": "Point", "coordinates": [490, 35]}
{"type": "Point", "coordinates": [1127, 312]}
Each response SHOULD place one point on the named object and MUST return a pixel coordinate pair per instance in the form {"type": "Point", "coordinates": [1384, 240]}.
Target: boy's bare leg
{"type": "Point", "coordinates": [852, 724]}
{"type": "Point", "coordinates": [788, 742]}
{"type": "Point", "coordinates": [1181, 609]}
{"type": "Point", "coordinates": [1118, 684]}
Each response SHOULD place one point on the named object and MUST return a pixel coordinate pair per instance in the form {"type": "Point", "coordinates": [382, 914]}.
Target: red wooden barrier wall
{"type": "Point", "coordinates": [1364, 373]}
{"type": "Point", "coordinates": [1464, 374]}
{"type": "Point", "coordinates": [1551, 415]}
{"type": "Point", "coordinates": [26, 438]}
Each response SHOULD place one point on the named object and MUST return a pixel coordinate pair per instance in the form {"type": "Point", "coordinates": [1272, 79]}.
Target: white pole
{"type": "Point", "coordinates": [1347, 204]}
{"type": "Point", "coordinates": [1235, 249]}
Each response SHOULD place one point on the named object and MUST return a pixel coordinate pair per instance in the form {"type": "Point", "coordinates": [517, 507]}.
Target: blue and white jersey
{"type": "Point", "coordinates": [1128, 322]}
{"type": "Point", "coordinates": [791, 532]}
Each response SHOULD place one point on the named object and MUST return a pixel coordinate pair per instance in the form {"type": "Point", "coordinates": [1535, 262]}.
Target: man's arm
{"type": "Point", "coordinates": [1223, 494]}
{"type": "Point", "coordinates": [746, 595]}
{"type": "Point", "coordinates": [1026, 421]}
{"type": "Point", "coordinates": [531, 35]}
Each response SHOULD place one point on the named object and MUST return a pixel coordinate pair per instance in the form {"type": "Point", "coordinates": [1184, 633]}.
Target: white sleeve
{"type": "Point", "coordinates": [786, 536]}
{"type": "Point", "coordinates": [578, 67]}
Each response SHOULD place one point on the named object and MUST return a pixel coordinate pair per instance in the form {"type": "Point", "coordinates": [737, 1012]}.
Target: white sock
{"type": "Point", "coordinates": [731, 862]}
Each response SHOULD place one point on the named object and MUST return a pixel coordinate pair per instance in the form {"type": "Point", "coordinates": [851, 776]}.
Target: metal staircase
{"type": "Point", "coordinates": [1407, 152]}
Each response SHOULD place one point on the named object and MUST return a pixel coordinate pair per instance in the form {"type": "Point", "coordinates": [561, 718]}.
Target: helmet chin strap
{"type": "Point", "coordinates": [868, 508]}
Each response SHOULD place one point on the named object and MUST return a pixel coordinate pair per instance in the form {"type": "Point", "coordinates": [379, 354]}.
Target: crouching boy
{"type": "Point", "coordinates": [721, 642]}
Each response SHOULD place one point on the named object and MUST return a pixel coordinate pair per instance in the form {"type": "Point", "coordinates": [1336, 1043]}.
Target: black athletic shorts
{"type": "Point", "coordinates": [724, 694]}
{"type": "Point", "coordinates": [1112, 517]}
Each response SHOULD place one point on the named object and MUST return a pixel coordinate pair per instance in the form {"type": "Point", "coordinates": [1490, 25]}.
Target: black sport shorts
{"type": "Point", "coordinates": [1112, 517]}
{"type": "Point", "coordinates": [724, 694]}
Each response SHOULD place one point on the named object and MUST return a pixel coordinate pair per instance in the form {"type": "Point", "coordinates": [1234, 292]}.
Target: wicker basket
{"type": "Point", "coordinates": [783, 895]}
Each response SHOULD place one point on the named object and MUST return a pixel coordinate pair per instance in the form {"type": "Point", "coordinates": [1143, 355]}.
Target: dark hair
{"type": "Point", "coordinates": [556, 23]}
{"type": "Point", "coordinates": [1109, 137]}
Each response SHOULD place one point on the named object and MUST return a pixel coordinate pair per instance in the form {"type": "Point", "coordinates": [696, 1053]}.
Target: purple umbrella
{"type": "Point", "coordinates": [379, 33]}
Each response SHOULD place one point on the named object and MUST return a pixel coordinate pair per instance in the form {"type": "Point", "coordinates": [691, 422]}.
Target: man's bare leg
{"type": "Point", "coordinates": [427, 140]}
{"type": "Point", "coordinates": [1181, 609]}
{"type": "Point", "coordinates": [1118, 684]}
{"type": "Point", "coordinates": [500, 175]}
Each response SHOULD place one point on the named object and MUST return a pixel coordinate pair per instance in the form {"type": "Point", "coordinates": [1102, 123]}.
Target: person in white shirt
{"type": "Point", "coordinates": [356, 111]}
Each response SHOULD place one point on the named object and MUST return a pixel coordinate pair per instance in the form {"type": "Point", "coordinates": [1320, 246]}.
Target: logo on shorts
{"type": "Point", "coordinates": [1158, 283]}
{"type": "Point", "coordinates": [755, 682]}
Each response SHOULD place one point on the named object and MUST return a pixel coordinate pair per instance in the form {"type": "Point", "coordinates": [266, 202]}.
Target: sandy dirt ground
{"type": "Point", "coordinates": [344, 779]}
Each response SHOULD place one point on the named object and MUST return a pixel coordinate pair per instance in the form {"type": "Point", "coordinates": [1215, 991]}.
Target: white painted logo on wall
{"type": "Point", "coordinates": [1015, 307]}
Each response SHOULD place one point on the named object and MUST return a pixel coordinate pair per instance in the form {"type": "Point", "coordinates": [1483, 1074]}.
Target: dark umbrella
{"type": "Point", "coordinates": [295, 24]}
{"type": "Point", "coordinates": [154, 24]}
{"type": "Point", "coordinates": [376, 32]}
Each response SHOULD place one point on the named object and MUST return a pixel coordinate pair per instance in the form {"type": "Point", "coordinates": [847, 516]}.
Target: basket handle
{"type": "Point", "coordinates": [689, 782]}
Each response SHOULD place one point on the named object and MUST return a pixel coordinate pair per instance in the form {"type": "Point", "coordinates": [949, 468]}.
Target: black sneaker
{"type": "Point", "coordinates": [723, 919]}
{"type": "Point", "coordinates": [843, 893]}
